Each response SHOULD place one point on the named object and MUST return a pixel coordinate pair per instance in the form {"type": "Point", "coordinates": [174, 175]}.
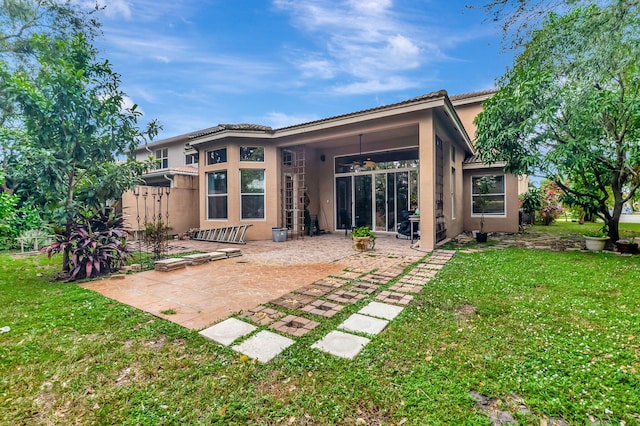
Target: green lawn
{"type": "Point", "coordinates": [560, 330]}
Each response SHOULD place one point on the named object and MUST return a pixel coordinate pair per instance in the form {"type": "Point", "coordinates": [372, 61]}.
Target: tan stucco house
{"type": "Point", "coordinates": [363, 168]}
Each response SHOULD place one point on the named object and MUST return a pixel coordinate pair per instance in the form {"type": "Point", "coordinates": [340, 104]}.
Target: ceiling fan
{"type": "Point", "coordinates": [359, 164]}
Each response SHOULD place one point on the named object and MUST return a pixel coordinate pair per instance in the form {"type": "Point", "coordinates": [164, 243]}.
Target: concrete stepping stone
{"type": "Point", "coordinates": [358, 323]}
{"type": "Point", "coordinates": [170, 264]}
{"type": "Point", "coordinates": [230, 252]}
{"type": "Point", "coordinates": [197, 259]}
{"type": "Point", "coordinates": [264, 346]}
{"type": "Point", "coordinates": [343, 345]}
{"type": "Point", "coordinates": [216, 255]}
{"type": "Point", "coordinates": [381, 310]}
{"type": "Point", "coordinates": [227, 331]}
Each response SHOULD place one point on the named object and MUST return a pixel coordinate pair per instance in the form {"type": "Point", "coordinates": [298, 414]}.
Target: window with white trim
{"type": "Point", "coordinates": [495, 198]}
{"type": "Point", "coordinates": [191, 159]}
{"type": "Point", "coordinates": [162, 156]}
{"type": "Point", "coordinates": [453, 193]}
{"type": "Point", "coordinates": [217, 195]}
{"type": "Point", "coordinates": [252, 193]}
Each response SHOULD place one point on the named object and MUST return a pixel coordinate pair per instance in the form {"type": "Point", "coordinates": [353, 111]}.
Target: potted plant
{"type": "Point", "coordinates": [483, 185]}
{"type": "Point", "coordinates": [627, 244]}
{"type": "Point", "coordinates": [595, 240]}
{"type": "Point", "coordinates": [363, 238]}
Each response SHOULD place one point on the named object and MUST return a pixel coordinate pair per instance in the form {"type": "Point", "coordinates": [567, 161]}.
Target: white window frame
{"type": "Point", "coordinates": [454, 179]}
{"type": "Point", "coordinates": [191, 159]}
{"type": "Point", "coordinates": [162, 154]}
{"type": "Point", "coordinates": [263, 194]}
{"type": "Point", "coordinates": [503, 193]}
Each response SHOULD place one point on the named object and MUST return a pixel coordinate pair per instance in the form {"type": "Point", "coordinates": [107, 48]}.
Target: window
{"type": "Point", "coordinates": [217, 195]}
{"type": "Point", "coordinates": [162, 155]}
{"type": "Point", "coordinates": [495, 197]}
{"type": "Point", "coordinates": [191, 159]}
{"type": "Point", "coordinates": [251, 153]}
{"type": "Point", "coordinates": [217, 156]}
{"type": "Point", "coordinates": [252, 193]}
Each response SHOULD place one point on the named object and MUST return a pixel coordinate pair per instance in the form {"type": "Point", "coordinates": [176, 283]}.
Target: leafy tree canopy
{"type": "Point", "coordinates": [75, 124]}
{"type": "Point", "coordinates": [569, 108]}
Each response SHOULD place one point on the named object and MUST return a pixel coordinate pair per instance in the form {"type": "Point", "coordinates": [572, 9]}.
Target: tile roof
{"type": "Point", "coordinates": [225, 127]}
{"type": "Point", "coordinates": [462, 96]}
{"type": "Point", "coordinates": [428, 96]}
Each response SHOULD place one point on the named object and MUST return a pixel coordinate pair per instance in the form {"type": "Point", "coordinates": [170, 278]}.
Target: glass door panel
{"type": "Point", "coordinates": [381, 201]}
{"type": "Point", "coordinates": [363, 201]}
{"type": "Point", "coordinates": [344, 202]}
{"type": "Point", "coordinates": [402, 193]}
{"type": "Point", "coordinates": [391, 202]}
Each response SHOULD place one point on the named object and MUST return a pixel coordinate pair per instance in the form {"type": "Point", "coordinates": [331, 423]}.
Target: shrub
{"type": "Point", "coordinates": [96, 243]}
{"type": "Point", "coordinates": [551, 208]}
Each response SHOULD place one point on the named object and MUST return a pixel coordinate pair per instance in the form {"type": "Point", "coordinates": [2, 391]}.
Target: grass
{"type": "Point", "coordinates": [561, 330]}
{"type": "Point", "coordinates": [562, 226]}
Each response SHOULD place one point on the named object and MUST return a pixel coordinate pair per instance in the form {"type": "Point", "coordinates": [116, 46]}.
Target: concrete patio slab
{"type": "Point", "coordinates": [381, 310]}
{"type": "Point", "coordinates": [358, 323]}
{"type": "Point", "coordinates": [264, 346]}
{"type": "Point", "coordinates": [227, 331]}
{"type": "Point", "coordinates": [343, 345]}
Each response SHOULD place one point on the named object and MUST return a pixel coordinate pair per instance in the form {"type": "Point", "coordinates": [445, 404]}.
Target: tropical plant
{"type": "Point", "coordinates": [531, 201]}
{"type": "Point", "coordinates": [96, 243]}
{"type": "Point", "coordinates": [365, 231]}
{"type": "Point", "coordinates": [568, 107]}
{"type": "Point", "coordinates": [75, 122]}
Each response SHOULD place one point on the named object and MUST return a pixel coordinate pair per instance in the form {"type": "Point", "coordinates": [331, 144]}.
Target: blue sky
{"type": "Point", "coordinates": [193, 64]}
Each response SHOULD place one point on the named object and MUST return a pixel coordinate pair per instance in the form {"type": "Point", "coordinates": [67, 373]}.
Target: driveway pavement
{"type": "Point", "coordinates": [204, 294]}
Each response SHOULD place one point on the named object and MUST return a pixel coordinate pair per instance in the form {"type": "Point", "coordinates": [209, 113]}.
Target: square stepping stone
{"type": "Point", "coordinates": [294, 325]}
{"type": "Point", "coordinates": [230, 252]}
{"type": "Point", "coordinates": [314, 290]}
{"type": "Point", "coordinates": [406, 288]}
{"type": "Point", "coordinates": [331, 282]}
{"type": "Point", "coordinates": [262, 315]}
{"type": "Point", "coordinates": [381, 310]}
{"type": "Point", "coordinates": [216, 255]}
{"type": "Point", "coordinates": [376, 278]}
{"type": "Point", "coordinates": [364, 287]}
{"type": "Point", "coordinates": [432, 266]}
{"type": "Point", "coordinates": [227, 331]}
{"type": "Point", "coordinates": [343, 345]}
{"type": "Point", "coordinates": [358, 323]}
{"type": "Point", "coordinates": [394, 298]}
{"type": "Point", "coordinates": [322, 308]}
{"type": "Point", "coordinates": [341, 296]}
{"type": "Point", "coordinates": [292, 301]}
{"type": "Point", "coordinates": [264, 346]}
{"type": "Point", "coordinates": [197, 259]}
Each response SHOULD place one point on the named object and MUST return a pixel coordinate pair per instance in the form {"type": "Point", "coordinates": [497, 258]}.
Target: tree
{"type": "Point", "coordinates": [569, 108]}
{"type": "Point", "coordinates": [518, 18]}
{"type": "Point", "coordinates": [75, 125]}
{"type": "Point", "coordinates": [20, 20]}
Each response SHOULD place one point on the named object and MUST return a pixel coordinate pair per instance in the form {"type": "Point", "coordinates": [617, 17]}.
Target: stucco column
{"type": "Point", "coordinates": [427, 155]}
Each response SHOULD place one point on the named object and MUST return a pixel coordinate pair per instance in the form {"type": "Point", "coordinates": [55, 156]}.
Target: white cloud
{"type": "Point", "coordinates": [279, 119]}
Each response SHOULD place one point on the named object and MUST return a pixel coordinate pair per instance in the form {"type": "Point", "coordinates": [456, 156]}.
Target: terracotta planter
{"type": "Point", "coordinates": [361, 243]}
{"type": "Point", "coordinates": [595, 243]}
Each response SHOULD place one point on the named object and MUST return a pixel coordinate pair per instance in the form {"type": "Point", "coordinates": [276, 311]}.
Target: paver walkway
{"type": "Point", "coordinates": [367, 280]}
